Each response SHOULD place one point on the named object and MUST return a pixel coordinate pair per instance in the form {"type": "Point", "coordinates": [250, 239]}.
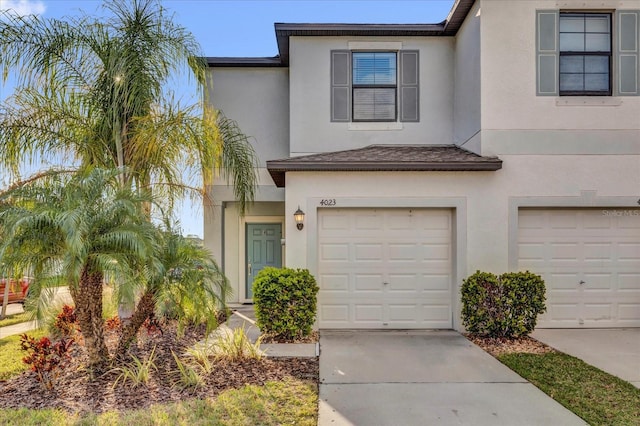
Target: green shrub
{"type": "Point", "coordinates": [504, 306]}
{"type": "Point", "coordinates": [285, 302]}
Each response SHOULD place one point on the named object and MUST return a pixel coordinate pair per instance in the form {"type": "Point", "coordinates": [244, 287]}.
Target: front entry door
{"type": "Point", "coordinates": [263, 249]}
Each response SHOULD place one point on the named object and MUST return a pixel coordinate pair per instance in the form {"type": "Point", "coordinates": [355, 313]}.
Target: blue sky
{"type": "Point", "coordinates": [245, 28]}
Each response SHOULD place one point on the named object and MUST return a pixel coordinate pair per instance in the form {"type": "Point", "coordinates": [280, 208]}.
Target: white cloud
{"type": "Point", "coordinates": [23, 7]}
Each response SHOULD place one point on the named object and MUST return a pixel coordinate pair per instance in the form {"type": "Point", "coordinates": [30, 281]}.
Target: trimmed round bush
{"type": "Point", "coordinates": [285, 302]}
{"type": "Point", "coordinates": [504, 306]}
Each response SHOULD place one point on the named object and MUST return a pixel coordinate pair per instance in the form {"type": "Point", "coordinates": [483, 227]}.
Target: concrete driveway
{"type": "Point", "coordinates": [616, 351]}
{"type": "Point", "coordinates": [425, 377]}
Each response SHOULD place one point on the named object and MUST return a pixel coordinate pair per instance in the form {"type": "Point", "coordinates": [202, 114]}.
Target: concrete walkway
{"type": "Point", "coordinates": [616, 351]}
{"type": "Point", "coordinates": [424, 377]}
{"type": "Point", "coordinates": [243, 316]}
{"type": "Point", "coordinates": [19, 328]}
{"type": "Point", "coordinates": [60, 294]}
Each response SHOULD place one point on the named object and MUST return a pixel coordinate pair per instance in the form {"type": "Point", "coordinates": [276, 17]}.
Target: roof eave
{"type": "Point", "coordinates": [277, 169]}
{"type": "Point", "coordinates": [244, 62]}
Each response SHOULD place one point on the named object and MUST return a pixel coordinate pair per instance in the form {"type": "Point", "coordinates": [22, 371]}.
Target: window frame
{"type": "Point", "coordinates": [355, 86]}
{"type": "Point", "coordinates": [608, 54]}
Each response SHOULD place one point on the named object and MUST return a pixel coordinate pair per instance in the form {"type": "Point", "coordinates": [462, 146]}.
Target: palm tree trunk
{"type": "Point", "coordinates": [144, 310]}
{"type": "Point", "coordinates": [88, 300]}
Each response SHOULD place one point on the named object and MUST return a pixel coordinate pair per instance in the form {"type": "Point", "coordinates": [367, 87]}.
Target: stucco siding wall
{"type": "Point", "coordinates": [466, 116]}
{"type": "Point", "coordinates": [482, 201]}
{"type": "Point", "coordinates": [509, 101]}
{"type": "Point", "coordinates": [311, 128]}
{"type": "Point", "coordinates": [258, 99]}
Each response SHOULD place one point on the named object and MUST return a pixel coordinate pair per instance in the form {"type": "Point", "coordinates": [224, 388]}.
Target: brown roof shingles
{"type": "Point", "coordinates": [386, 158]}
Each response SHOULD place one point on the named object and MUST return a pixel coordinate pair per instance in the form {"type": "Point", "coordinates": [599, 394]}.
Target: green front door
{"type": "Point", "coordinates": [263, 249]}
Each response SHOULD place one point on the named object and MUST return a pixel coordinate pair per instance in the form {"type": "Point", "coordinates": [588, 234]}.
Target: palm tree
{"type": "Point", "coordinates": [96, 93]}
{"type": "Point", "coordinates": [73, 229]}
{"type": "Point", "coordinates": [190, 287]}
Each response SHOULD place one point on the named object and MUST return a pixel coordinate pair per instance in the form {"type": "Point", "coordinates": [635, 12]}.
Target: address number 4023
{"type": "Point", "coordinates": [328, 202]}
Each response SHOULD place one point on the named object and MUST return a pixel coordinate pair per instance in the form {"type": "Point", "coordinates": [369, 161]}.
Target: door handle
{"type": "Point", "coordinates": [250, 270]}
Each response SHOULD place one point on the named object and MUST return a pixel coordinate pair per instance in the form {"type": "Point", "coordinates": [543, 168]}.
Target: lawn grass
{"type": "Point", "coordinates": [11, 355]}
{"type": "Point", "coordinates": [16, 319]}
{"type": "Point", "coordinates": [276, 403]}
{"type": "Point", "coordinates": [598, 397]}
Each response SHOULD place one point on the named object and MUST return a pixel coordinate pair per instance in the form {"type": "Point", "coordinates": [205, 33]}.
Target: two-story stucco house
{"type": "Point", "coordinates": [505, 138]}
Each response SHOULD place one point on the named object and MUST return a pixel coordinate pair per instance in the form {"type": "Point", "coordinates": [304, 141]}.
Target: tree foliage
{"type": "Point", "coordinates": [96, 93]}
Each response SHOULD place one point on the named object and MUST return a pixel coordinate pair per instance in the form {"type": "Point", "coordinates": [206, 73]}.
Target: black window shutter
{"type": "Point", "coordinates": [409, 87]}
{"type": "Point", "coordinates": [547, 53]}
{"type": "Point", "coordinates": [627, 53]}
{"type": "Point", "coordinates": [340, 85]}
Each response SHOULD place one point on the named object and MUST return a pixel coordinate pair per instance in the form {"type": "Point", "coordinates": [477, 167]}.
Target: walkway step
{"type": "Point", "coordinates": [20, 328]}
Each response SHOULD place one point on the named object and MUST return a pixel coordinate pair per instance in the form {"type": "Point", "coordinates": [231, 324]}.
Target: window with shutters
{"type": "Point", "coordinates": [585, 54]}
{"type": "Point", "coordinates": [374, 86]}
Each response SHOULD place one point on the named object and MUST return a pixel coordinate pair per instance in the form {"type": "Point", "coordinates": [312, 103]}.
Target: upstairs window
{"type": "Point", "coordinates": [374, 87]}
{"type": "Point", "coordinates": [585, 54]}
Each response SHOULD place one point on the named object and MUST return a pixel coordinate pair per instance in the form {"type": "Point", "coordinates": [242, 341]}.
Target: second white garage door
{"type": "Point", "coordinates": [384, 268]}
{"type": "Point", "coordinates": [590, 261]}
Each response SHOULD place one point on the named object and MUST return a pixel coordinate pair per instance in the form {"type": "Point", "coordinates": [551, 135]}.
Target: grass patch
{"type": "Point", "coordinates": [16, 319]}
{"type": "Point", "coordinates": [276, 403]}
{"type": "Point", "coordinates": [598, 397]}
{"type": "Point", "coordinates": [11, 355]}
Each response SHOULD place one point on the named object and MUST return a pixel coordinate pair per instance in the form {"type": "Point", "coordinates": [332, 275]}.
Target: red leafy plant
{"type": "Point", "coordinates": [47, 359]}
{"type": "Point", "coordinates": [66, 322]}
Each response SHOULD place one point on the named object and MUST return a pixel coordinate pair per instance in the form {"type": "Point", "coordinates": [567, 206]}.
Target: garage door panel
{"type": "Point", "coordinates": [590, 261]}
{"type": "Point", "coordinates": [335, 313]}
{"type": "Point", "coordinates": [334, 252]}
{"type": "Point", "coordinates": [597, 312]}
{"type": "Point", "coordinates": [599, 282]}
{"type": "Point", "coordinates": [370, 312]}
{"type": "Point", "coordinates": [628, 312]}
{"type": "Point", "coordinates": [367, 252]}
{"type": "Point", "coordinates": [563, 283]}
{"type": "Point", "coordinates": [402, 253]}
{"type": "Point", "coordinates": [629, 282]}
{"type": "Point", "coordinates": [334, 282]}
{"type": "Point", "coordinates": [561, 312]}
{"type": "Point", "coordinates": [397, 263]}
{"type": "Point", "coordinates": [629, 252]}
{"type": "Point", "coordinates": [367, 283]}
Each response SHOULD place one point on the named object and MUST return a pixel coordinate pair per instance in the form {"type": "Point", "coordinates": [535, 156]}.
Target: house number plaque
{"type": "Point", "coordinates": [328, 202]}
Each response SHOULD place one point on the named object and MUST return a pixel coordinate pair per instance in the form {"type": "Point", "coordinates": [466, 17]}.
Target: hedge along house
{"type": "Point", "coordinates": [505, 138]}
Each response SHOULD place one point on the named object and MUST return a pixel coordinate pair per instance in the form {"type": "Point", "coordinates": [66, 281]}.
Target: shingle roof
{"type": "Point", "coordinates": [386, 158]}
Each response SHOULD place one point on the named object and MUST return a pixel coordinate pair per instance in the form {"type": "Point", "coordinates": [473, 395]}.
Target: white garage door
{"type": "Point", "coordinates": [590, 261]}
{"type": "Point", "coordinates": [384, 268]}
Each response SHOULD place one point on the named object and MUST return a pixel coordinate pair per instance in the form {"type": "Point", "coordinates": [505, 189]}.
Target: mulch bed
{"type": "Point", "coordinates": [75, 391]}
{"type": "Point", "coordinates": [497, 346]}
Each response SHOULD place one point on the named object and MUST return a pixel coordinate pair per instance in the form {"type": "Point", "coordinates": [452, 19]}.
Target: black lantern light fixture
{"type": "Point", "coordinates": [299, 218]}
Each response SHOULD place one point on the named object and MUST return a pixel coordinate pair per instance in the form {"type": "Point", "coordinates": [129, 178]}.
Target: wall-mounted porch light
{"type": "Point", "coordinates": [299, 218]}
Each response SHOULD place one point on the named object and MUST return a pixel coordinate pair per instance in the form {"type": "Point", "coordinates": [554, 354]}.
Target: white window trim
{"type": "Point", "coordinates": [375, 45]}
{"type": "Point", "coordinates": [375, 126]}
